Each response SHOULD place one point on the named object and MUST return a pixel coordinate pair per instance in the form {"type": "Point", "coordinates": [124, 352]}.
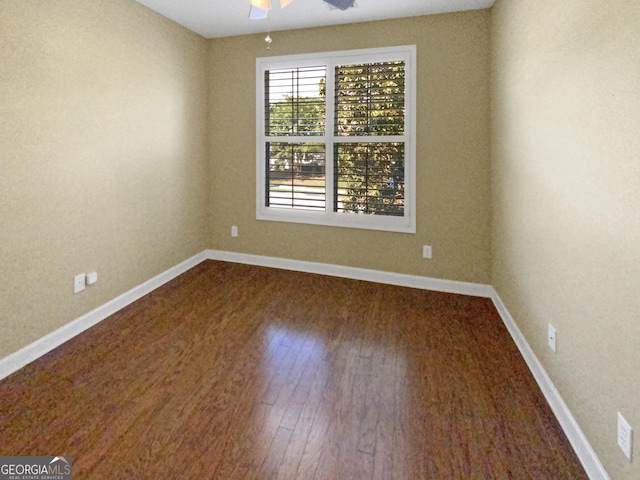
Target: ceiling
{"type": "Point", "coordinates": [223, 18]}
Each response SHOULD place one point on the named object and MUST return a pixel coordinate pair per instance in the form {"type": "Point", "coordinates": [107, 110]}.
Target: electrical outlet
{"type": "Point", "coordinates": [551, 337]}
{"type": "Point", "coordinates": [234, 231]}
{"type": "Point", "coordinates": [426, 251]}
{"type": "Point", "coordinates": [625, 436]}
{"type": "Point", "coordinates": [79, 282]}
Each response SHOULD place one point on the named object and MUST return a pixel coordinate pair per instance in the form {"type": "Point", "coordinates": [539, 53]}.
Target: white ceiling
{"type": "Point", "coordinates": [223, 18]}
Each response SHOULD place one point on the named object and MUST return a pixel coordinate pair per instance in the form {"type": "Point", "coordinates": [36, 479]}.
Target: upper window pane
{"type": "Point", "coordinates": [295, 101]}
{"type": "Point", "coordinates": [370, 98]}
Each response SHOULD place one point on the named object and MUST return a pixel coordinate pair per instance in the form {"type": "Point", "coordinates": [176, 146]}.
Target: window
{"type": "Point", "coordinates": [336, 138]}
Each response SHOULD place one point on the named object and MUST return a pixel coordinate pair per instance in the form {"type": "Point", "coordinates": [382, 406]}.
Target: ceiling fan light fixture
{"type": "Point", "coordinates": [256, 13]}
{"type": "Point", "coordinates": [260, 8]}
{"type": "Point", "coordinates": [261, 4]}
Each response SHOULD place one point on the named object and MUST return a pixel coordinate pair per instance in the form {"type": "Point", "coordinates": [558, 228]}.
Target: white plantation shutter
{"type": "Point", "coordinates": [294, 111]}
{"type": "Point", "coordinates": [370, 104]}
{"type": "Point", "coordinates": [335, 139]}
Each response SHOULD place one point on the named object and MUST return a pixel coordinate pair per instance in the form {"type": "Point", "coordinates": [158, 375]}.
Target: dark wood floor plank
{"type": "Point", "coordinates": [233, 371]}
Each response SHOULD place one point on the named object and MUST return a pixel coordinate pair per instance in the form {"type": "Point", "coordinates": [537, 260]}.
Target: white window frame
{"type": "Point", "coordinates": [405, 223]}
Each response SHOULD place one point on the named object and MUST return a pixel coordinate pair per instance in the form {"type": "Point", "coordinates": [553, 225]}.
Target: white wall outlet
{"type": "Point", "coordinates": [551, 338]}
{"type": "Point", "coordinates": [234, 231]}
{"type": "Point", "coordinates": [79, 282]}
{"type": "Point", "coordinates": [625, 436]}
{"type": "Point", "coordinates": [92, 278]}
{"type": "Point", "coordinates": [426, 251]}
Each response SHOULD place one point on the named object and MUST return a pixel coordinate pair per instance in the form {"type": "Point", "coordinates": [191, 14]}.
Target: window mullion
{"type": "Point", "coordinates": [330, 139]}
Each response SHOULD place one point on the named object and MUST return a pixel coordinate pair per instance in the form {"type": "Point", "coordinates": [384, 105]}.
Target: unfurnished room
{"type": "Point", "coordinates": [319, 239]}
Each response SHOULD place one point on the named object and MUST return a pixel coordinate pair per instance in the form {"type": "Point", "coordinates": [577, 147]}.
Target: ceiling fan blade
{"type": "Point", "coordinates": [341, 4]}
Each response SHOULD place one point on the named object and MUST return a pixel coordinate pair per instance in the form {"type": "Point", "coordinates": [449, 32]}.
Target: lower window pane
{"type": "Point", "coordinates": [295, 175]}
{"type": "Point", "coordinates": [369, 178]}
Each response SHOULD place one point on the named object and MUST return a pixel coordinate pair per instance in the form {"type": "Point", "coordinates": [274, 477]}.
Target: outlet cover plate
{"type": "Point", "coordinates": [79, 282]}
{"type": "Point", "coordinates": [426, 251]}
{"type": "Point", "coordinates": [551, 336]}
{"type": "Point", "coordinates": [625, 436]}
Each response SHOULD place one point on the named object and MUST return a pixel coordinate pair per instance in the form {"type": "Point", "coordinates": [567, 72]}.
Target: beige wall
{"type": "Point", "coordinates": [566, 200]}
{"type": "Point", "coordinates": [102, 155]}
{"type": "Point", "coordinates": [453, 182]}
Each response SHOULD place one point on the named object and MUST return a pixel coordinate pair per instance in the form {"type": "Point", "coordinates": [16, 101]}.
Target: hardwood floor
{"type": "Point", "coordinates": [233, 371]}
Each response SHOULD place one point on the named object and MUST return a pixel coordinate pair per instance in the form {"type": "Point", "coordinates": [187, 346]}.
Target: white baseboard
{"type": "Point", "coordinates": [355, 273]}
{"type": "Point", "coordinates": [587, 456]}
{"type": "Point", "coordinates": [35, 350]}
{"type": "Point", "coordinates": [578, 440]}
